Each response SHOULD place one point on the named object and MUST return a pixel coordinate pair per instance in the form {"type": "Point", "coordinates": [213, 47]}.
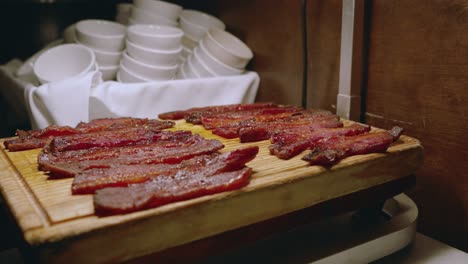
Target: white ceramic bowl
{"type": "Point", "coordinates": [160, 8]}
{"type": "Point", "coordinates": [186, 52]}
{"type": "Point", "coordinates": [153, 56]}
{"type": "Point", "coordinates": [202, 69]}
{"type": "Point", "coordinates": [214, 64]}
{"type": "Point", "coordinates": [63, 62]}
{"type": "Point", "coordinates": [105, 58]}
{"type": "Point", "coordinates": [140, 16]}
{"type": "Point", "coordinates": [196, 23]}
{"type": "Point", "coordinates": [101, 34]}
{"type": "Point", "coordinates": [127, 76]}
{"type": "Point", "coordinates": [227, 48]}
{"type": "Point", "coordinates": [69, 34]}
{"type": "Point", "coordinates": [149, 71]}
{"type": "Point", "coordinates": [155, 36]}
{"type": "Point", "coordinates": [108, 72]}
{"type": "Point", "coordinates": [188, 42]}
{"type": "Point", "coordinates": [189, 71]}
{"type": "Point", "coordinates": [180, 75]}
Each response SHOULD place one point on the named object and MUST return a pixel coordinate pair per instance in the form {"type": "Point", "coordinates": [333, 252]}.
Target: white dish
{"type": "Point", "coordinates": [140, 16]}
{"type": "Point", "coordinates": [126, 76]}
{"type": "Point", "coordinates": [161, 8]}
{"type": "Point", "coordinates": [188, 42]}
{"type": "Point", "coordinates": [101, 34]}
{"type": "Point", "coordinates": [214, 64]}
{"type": "Point", "coordinates": [63, 62]}
{"type": "Point", "coordinates": [202, 69]}
{"type": "Point", "coordinates": [153, 56]}
{"type": "Point", "coordinates": [109, 72]}
{"type": "Point", "coordinates": [155, 36]}
{"type": "Point", "coordinates": [148, 71]}
{"type": "Point", "coordinates": [186, 52]}
{"type": "Point", "coordinates": [227, 48]}
{"type": "Point", "coordinates": [196, 23]}
{"type": "Point", "coordinates": [105, 58]}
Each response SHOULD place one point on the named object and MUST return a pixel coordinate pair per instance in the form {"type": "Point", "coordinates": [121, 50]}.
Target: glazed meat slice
{"type": "Point", "coordinates": [166, 189]}
{"type": "Point", "coordinates": [288, 144]}
{"type": "Point", "coordinates": [265, 131]}
{"type": "Point", "coordinates": [231, 130]}
{"type": "Point", "coordinates": [38, 138]}
{"type": "Point", "coordinates": [122, 175]}
{"type": "Point", "coordinates": [70, 163]}
{"type": "Point", "coordinates": [193, 114]}
{"type": "Point", "coordinates": [329, 151]}
{"type": "Point", "coordinates": [105, 139]}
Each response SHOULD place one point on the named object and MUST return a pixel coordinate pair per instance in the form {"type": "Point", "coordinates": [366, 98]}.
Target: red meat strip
{"type": "Point", "coordinates": [70, 163]}
{"type": "Point", "coordinates": [288, 144]}
{"type": "Point", "coordinates": [105, 139]}
{"type": "Point", "coordinates": [122, 175]}
{"type": "Point", "coordinates": [177, 115]}
{"type": "Point", "coordinates": [331, 150]}
{"type": "Point", "coordinates": [38, 138]}
{"type": "Point", "coordinates": [166, 189]}
{"type": "Point", "coordinates": [265, 131]}
{"type": "Point", "coordinates": [231, 130]}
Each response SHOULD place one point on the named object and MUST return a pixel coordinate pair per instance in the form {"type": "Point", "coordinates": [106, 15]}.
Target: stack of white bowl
{"type": "Point", "coordinates": [195, 24]}
{"type": "Point", "coordinates": [152, 53]}
{"type": "Point", "coordinates": [219, 53]}
{"type": "Point", "coordinates": [106, 39]}
{"type": "Point", "coordinates": [63, 62]}
{"type": "Point", "coordinates": [154, 12]}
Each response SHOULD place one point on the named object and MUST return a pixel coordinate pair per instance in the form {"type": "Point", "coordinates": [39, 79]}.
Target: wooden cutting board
{"type": "Point", "coordinates": [62, 228]}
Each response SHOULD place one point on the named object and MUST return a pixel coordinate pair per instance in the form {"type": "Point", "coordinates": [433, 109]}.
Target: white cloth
{"type": "Point", "coordinates": [71, 101]}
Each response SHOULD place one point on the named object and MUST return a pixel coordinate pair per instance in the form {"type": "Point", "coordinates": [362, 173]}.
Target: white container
{"type": "Point", "coordinates": [69, 34]}
{"type": "Point", "coordinates": [160, 8]}
{"type": "Point", "coordinates": [127, 76]}
{"type": "Point", "coordinates": [63, 62]}
{"type": "Point", "coordinates": [181, 74]}
{"type": "Point", "coordinates": [214, 64]}
{"type": "Point", "coordinates": [227, 48]}
{"type": "Point", "coordinates": [188, 42]}
{"type": "Point", "coordinates": [140, 16]}
{"type": "Point", "coordinates": [186, 52]}
{"type": "Point", "coordinates": [108, 72]}
{"type": "Point", "coordinates": [148, 71]}
{"type": "Point", "coordinates": [202, 69]}
{"type": "Point", "coordinates": [105, 58]}
{"type": "Point", "coordinates": [101, 34]}
{"type": "Point", "coordinates": [155, 36]}
{"type": "Point", "coordinates": [196, 23]}
{"type": "Point", "coordinates": [153, 56]}
{"type": "Point", "coordinates": [188, 70]}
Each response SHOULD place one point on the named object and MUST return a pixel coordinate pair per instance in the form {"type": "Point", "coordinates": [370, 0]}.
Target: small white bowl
{"type": "Point", "coordinates": [227, 48]}
{"type": "Point", "coordinates": [188, 42]}
{"type": "Point", "coordinates": [140, 16]}
{"type": "Point", "coordinates": [148, 71]}
{"type": "Point", "coordinates": [180, 75]}
{"type": "Point", "coordinates": [161, 8]}
{"type": "Point", "coordinates": [127, 76]}
{"type": "Point", "coordinates": [196, 23]}
{"type": "Point", "coordinates": [69, 34]}
{"type": "Point", "coordinates": [101, 34]}
{"type": "Point", "coordinates": [63, 62]}
{"type": "Point", "coordinates": [155, 36]}
{"type": "Point", "coordinates": [105, 58]}
{"type": "Point", "coordinates": [132, 22]}
{"type": "Point", "coordinates": [190, 69]}
{"type": "Point", "coordinates": [214, 64]}
{"type": "Point", "coordinates": [202, 69]}
{"type": "Point", "coordinates": [108, 72]}
{"type": "Point", "coordinates": [186, 52]}
{"type": "Point", "coordinates": [153, 56]}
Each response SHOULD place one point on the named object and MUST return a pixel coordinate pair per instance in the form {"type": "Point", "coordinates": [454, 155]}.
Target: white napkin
{"type": "Point", "coordinates": [71, 101]}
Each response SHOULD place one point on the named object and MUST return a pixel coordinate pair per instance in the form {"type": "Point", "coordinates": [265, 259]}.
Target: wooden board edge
{"type": "Point", "coordinates": [139, 237]}
{"type": "Point", "coordinates": [19, 199]}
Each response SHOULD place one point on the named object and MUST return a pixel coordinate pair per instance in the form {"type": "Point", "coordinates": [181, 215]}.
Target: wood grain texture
{"type": "Point", "coordinates": [323, 25]}
{"type": "Point", "coordinates": [418, 72]}
{"type": "Point", "coordinates": [68, 227]}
